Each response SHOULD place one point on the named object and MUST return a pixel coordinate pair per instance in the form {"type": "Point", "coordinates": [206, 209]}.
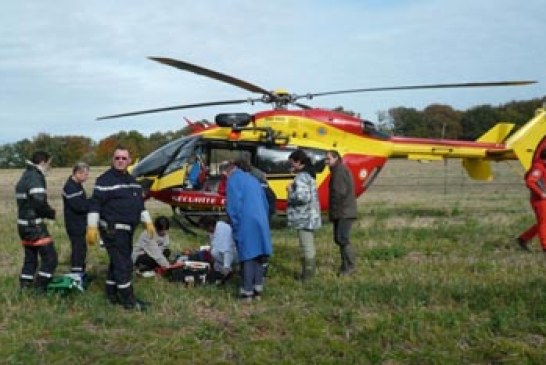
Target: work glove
{"type": "Point", "coordinates": [147, 220]}
{"type": "Point", "coordinates": [92, 233]}
{"type": "Point", "coordinates": [92, 236]}
{"type": "Point", "coordinates": [150, 229]}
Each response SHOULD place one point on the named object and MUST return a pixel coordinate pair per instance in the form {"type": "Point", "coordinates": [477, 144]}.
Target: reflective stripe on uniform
{"type": "Point", "coordinates": [26, 277]}
{"type": "Point", "coordinates": [124, 286]}
{"type": "Point", "coordinates": [70, 196]}
{"type": "Point", "coordinates": [37, 191]}
{"type": "Point", "coordinates": [24, 222]}
{"type": "Point", "coordinates": [45, 274]}
{"type": "Point", "coordinates": [110, 282]}
{"type": "Point", "coordinates": [121, 226]}
{"type": "Point", "coordinates": [20, 195]}
{"type": "Point", "coordinates": [118, 186]}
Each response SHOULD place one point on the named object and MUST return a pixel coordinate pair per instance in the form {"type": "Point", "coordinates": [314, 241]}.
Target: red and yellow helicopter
{"type": "Point", "coordinates": [266, 139]}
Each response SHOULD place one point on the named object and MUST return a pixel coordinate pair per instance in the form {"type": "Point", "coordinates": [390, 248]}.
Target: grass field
{"type": "Point", "coordinates": [439, 281]}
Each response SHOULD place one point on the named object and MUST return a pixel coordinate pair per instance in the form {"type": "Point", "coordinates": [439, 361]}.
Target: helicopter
{"type": "Point", "coordinates": [266, 139]}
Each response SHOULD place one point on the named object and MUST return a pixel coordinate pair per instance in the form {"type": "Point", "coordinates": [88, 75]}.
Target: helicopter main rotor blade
{"type": "Point", "coordinates": [178, 107]}
{"type": "Point", "coordinates": [414, 87]}
{"type": "Point", "coordinates": [213, 75]}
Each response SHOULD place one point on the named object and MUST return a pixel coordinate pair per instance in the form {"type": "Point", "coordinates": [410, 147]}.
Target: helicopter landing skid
{"type": "Point", "coordinates": [185, 219]}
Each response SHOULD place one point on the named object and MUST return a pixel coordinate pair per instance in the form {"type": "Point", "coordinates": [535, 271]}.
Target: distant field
{"type": "Point", "coordinates": [439, 281]}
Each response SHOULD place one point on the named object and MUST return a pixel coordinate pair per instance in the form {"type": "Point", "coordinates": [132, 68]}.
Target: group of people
{"type": "Point", "coordinates": [116, 207]}
{"type": "Point", "coordinates": [111, 216]}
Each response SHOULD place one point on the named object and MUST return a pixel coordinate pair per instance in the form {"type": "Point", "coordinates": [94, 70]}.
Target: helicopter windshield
{"type": "Point", "coordinates": [167, 158]}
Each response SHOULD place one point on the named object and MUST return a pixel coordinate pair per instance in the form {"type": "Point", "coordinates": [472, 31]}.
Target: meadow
{"type": "Point", "coordinates": [440, 280]}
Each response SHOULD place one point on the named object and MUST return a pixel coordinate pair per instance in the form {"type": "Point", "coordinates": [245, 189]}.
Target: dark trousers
{"type": "Point", "coordinates": [48, 257]}
{"type": "Point", "coordinates": [145, 262]}
{"type": "Point", "coordinates": [342, 231]}
{"type": "Point", "coordinates": [119, 246]}
{"type": "Point", "coordinates": [79, 252]}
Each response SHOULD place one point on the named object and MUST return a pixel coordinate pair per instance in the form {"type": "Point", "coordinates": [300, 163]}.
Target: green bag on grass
{"type": "Point", "coordinates": [65, 284]}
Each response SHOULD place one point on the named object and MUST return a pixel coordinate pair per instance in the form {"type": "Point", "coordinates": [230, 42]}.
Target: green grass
{"type": "Point", "coordinates": [440, 281]}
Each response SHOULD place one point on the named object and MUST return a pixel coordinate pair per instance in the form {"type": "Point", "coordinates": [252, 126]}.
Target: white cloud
{"type": "Point", "coordinates": [64, 64]}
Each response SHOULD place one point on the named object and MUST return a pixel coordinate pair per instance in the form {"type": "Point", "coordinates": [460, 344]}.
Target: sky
{"type": "Point", "coordinates": [65, 63]}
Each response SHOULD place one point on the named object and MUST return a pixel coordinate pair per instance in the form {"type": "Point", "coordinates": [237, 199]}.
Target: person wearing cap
{"type": "Point", "coordinates": [535, 179]}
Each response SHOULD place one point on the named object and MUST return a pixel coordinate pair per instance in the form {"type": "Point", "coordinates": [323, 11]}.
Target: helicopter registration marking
{"type": "Point", "coordinates": [211, 200]}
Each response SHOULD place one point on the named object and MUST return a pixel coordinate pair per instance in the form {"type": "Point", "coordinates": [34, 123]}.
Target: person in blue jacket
{"type": "Point", "coordinates": [247, 208]}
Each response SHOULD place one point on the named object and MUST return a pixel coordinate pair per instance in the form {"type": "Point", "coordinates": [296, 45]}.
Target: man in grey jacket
{"type": "Point", "coordinates": [342, 208]}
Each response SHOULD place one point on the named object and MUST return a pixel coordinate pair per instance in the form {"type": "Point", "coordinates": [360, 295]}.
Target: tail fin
{"type": "Point", "coordinates": [497, 134]}
{"type": "Point", "coordinates": [526, 140]}
{"type": "Point", "coordinates": [479, 168]}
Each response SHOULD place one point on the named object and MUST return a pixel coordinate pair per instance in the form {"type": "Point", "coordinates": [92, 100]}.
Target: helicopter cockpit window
{"type": "Point", "coordinates": [185, 151]}
{"type": "Point", "coordinates": [275, 160]}
{"type": "Point", "coordinates": [370, 129]}
{"type": "Point", "coordinates": [164, 159]}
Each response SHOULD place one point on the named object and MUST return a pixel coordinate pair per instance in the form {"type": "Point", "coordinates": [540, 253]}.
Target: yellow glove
{"type": "Point", "coordinates": [150, 229]}
{"type": "Point", "coordinates": [92, 236]}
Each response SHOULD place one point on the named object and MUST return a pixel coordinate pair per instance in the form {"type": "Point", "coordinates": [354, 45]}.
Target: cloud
{"type": "Point", "coordinates": [63, 65]}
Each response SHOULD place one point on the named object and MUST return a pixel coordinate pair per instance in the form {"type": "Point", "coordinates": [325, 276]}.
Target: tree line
{"type": "Point", "coordinates": [66, 150]}
{"type": "Point", "coordinates": [442, 121]}
{"type": "Point", "coordinates": [435, 121]}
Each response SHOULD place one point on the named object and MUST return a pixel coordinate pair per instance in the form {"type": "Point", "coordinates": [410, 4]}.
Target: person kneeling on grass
{"type": "Point", "coordinates": [152, 253]}
{"type": "Point", "coordinates": [222, 247]}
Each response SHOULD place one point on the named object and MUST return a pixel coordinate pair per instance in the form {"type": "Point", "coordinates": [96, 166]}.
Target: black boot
{"type": "Point", "coordinates": [523, 244]}
{"type": "Point", "coordinates": [129, 302]}
{"type": "Point", "coordinates": [112, 294]}
{"type": "Point", "coordinates": [25, 285]}
{"type": "Point", "coordinates": [41, 284]}
{"type": "Point", "coordinates": [347, 261]}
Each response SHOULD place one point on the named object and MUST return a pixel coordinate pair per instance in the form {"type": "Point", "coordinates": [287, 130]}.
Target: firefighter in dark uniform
{"type": "Point", "coordinates": [32, 210]}
{"type": "Point", "coordinates": [76, 206]}
{"type": "Point", "coordinates": [116, 207]}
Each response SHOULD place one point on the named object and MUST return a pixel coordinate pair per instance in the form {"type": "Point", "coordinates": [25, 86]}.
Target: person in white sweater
{"type": "Point", "coordinates": [151, 253]}
{"type": "Point", "coordinates": [222, 246]}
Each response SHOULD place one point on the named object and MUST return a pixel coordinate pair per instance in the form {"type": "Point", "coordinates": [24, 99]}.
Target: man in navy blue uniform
{"type": "Point", "coordinates": [76, 206]}
{"type": "Point", "coordinates": [116, 207]}
{"type": "Point", "coordinates": [32, 210]}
